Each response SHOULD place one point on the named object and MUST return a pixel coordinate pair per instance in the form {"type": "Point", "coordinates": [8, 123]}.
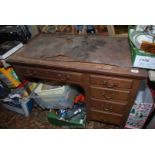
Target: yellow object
{"type": "Point", "coordinates": [31, 86]}
{"type": "Point", "coordinates": [9, 77]}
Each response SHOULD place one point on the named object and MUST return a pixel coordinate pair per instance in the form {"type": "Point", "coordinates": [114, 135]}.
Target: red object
{"type": "Point", "coordinates": [22, 84]}
{"type": "Point", "coordinates": [79, 98]}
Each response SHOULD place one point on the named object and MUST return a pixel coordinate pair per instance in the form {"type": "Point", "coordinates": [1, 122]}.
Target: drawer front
{"type": "Point", "coordinates": [110, 82]}
{"type": "Point", "coordinates": [49, 74]}
{"type": "Point", "coordinates": [66, 76]}
{"type": "Point", "coordinates": [109, 94]}
{"type": "Point", "coordinates": [21, 70]}
{"type": "Point", "coordinates": [107, 106]}
{"type": "Point", "coordinates": [106, 117]}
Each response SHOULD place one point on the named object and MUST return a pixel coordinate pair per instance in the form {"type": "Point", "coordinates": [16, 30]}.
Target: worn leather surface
{"type": "Point", "coordinates": [94, 49]}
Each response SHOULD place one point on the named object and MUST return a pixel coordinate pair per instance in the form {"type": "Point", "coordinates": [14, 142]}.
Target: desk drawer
{"type": "Point", "coordinates": [107, 106]}
{"type": "Point", "coordinates": [106, 117]}
{"type": "Point", "coordinates": [109, 94]}
{"type": "Point", "coordinates": [21, 70]}
{"type": "Point", "coordinates": [49, 74]}
{"type": "Point", "coordinates": [29, 71]}
{"type": "Point", "coordinates": [65, 76]}
{"type": "Point", "coordinates": [110, 82]}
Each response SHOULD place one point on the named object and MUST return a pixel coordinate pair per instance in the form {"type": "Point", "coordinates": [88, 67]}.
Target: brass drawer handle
{"type": "Point", "coordinates": [106, 107]}
{"type": "Point", "coordinates": [104, 83]}
{"type": "Point", "coordinates": [63, 77]}
{"type": "Point", "coordinates": [60, 76]}
{"type": "Point", "coordinates": [108, 97]}
{"type": "Point", "coordinates": [31, 72]}
{"type": "Point", "coordinates": [67, 77]}
{"type": "Point", "coordinates": [108, 85]}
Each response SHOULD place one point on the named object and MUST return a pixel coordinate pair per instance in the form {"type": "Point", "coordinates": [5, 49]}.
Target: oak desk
{"type": "Point", "coordinates": [101, 66]}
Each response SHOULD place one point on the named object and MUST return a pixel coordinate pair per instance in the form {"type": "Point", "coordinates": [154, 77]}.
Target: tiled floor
{"type": "Point", "coordinates": [37, 120]}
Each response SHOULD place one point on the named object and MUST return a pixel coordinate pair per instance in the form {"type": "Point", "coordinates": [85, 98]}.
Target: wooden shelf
{"type": "Point", "coordinates": [107, 30]}
{"type": "Point", "coordinates": [118, 30]}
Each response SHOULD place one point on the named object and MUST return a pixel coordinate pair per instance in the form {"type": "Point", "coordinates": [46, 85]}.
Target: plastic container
{"type": "Point", "coordinates": [23, 107]}
{"type": "Point", "coordinates": [18, 100]}
{"type": "Point", "coordinates": [4, 90]}
{"type": "Point", "coordinates": [140, 58]}
{"type": "Point", "coordinates": [55, 98]}
{"type": "Point", "coordinates": [22, 91]}
{"type": "Point", "coordinates": [75, 123]}
{"type": "Point", "coordinates": [9, 77]}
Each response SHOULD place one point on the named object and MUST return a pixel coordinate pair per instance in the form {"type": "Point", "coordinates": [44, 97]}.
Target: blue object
{"type": "Point", "coordinates": [79, 27]}
{"type": "Point", "coordinates": [62, 114]}
{"type": "Point", "coordinates": [90, 29]}
{"type": "Point", "coordinates": [4, 91]}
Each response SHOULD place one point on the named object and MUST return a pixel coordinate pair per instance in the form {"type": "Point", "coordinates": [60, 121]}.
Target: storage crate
{"type": "Point", "coordinates": [55, 98]}
{"type": "Point", "coordinates": [139, 57]}
{"type": "Point", "coordinates": [24, 107]}
{"type": "Point", "coordinates": [54, 119]}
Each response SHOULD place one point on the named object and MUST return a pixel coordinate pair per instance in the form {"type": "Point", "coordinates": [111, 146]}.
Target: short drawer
{"type": "Point", "coordinates": [105, 117]}
{"type": "Point", "coordinates": [110, 82]}
{"type": "Point", "coordinates": [49, 74]}
{"type": "Point", "coordinates": [109, 94]}
{"type": "Point", "coordinates": [21, 70]}
{"type": "Point", "coordinates": [31, 72]}
{"type": "Point", "coordinates": [107, 106]}
{"type": "Point", "coordinates": [66, 76]}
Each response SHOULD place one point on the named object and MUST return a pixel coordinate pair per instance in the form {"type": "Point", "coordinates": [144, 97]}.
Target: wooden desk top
{"type": "Point", "coordinates": [96, 54]}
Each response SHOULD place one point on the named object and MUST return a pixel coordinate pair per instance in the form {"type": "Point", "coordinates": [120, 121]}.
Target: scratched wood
{"type": "Point", "coordinates": [93, 49]}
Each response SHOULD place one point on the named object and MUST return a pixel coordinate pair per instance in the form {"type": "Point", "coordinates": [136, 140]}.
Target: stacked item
{"type": "Point", "coordinates": [142, 44]}
{"type": "Point", "coordinates": [8, 76]}
{"type": "Point", "coordinates": [141, 109]}
{"type": "Point", "coordinates": [15, 97]}
{"type": "Point", "coordinates": [18, 100]}
{"type": "Point", "coordinates": [20, 33]}
{"type": "Point", "coordinates": [73, 117]}
{"type": "Point", "coordinates": [74, 29]}
{"type": "Point", "coordinates": [4, 90]}
{"type": "Point", "coordinates": [66, 105]}
{"type": "Point", "coordinates": [54, 97]}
